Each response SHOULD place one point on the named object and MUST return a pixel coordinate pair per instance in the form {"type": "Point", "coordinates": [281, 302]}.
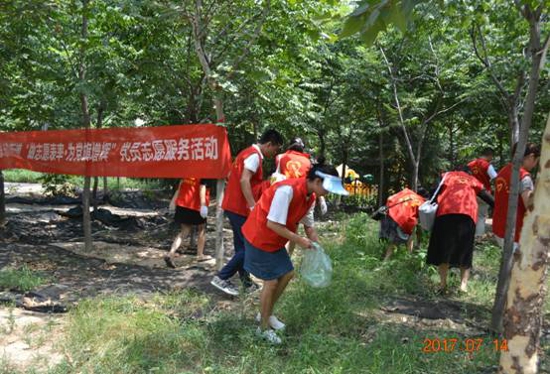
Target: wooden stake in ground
{"type": "Point", "coordinates": [525, 299]}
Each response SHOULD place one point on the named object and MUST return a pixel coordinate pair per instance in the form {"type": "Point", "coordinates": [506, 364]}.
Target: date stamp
{"type": "Point", "coordinates": [469, 345]}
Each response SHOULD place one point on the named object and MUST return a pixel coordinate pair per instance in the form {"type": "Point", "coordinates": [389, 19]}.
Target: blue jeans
{"type": "Point", "coordinates": [236, 264]}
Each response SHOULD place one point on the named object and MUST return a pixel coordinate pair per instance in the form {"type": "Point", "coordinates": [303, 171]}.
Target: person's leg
{"type": "Point", "coordinates": [236, 263]}
{"type": "Point", "coordinates": [443, 269]}
{"type": "Point", "coordinates": [184, 231]}
{"type": "Point", "coordinates": [281, 286]}
{"type": "Point", "coordinates": [266, 301]}
{"type": "Point", "coordinates": [464, 276]}
{"type": "Point", "coordinates": [201, 241]}
{"type": "Point", "coordinates": [389, 251]}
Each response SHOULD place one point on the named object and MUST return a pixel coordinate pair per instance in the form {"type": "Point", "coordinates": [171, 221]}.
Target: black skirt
{"type": "Point", "coordinates": [452, 241]}
{"type": "Point", "coordinates": [187, 216]}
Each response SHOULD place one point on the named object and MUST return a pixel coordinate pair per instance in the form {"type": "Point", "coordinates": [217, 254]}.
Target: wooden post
{"type": "Point", "coordinates": [220, 189]}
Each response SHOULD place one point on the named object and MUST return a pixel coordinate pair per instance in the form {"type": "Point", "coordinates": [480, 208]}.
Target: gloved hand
{"type": "Point", "coordinates": [204, 211]}
{"type": "Point", "coordinates": [172, 207]}
{"type": "Point", "coordinates": [323, 206]}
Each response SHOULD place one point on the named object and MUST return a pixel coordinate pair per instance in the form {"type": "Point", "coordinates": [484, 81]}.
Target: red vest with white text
{"type": "Point", "coordinates": [502, 191]}
{"type": "Point", "coordinates": [233, 200]}
{"type": "Point", "coordinates": [403, 209]}
{"type": "Point", "coordinates": [189, 194]}
{"type": "Point", "coordinates": [255, 228]}
{"type": "Point", "coordinates": [459, 195]}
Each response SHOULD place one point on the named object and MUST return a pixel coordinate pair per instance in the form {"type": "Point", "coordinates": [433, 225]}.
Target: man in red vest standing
{"type": "Point", "coordinates": [484, 172]}
{"type": "Point", "coordinates": [244, 188]}
{"type": "Point", "coordinates": [502, 191]}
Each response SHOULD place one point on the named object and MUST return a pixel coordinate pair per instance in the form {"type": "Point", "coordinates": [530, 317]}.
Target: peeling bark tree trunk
{"type": "Point", "coordinates": [525, 299]}
{"type": "Point", "coordinates": [86, 219]}
{"type": "Point", "coordinates": [538, 57]}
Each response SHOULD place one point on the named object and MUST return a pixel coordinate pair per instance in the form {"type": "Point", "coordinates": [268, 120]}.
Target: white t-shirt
{"type": "Point", "coordinates": [278, 211]}
{"type": "Point", "coordinates": [491, 172]}
{"type": "Point", "coordinates": [526, 184]}
{"type": "Point", "coordinates": [252, 162]}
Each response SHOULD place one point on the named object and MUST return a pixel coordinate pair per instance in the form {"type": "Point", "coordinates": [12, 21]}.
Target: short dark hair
{"type": "Point", "coordinates": [487, 151]}
{"type": "Point", "coordinates": [296, 144]}
{"type": "Point", "coordinates": [327, 169]}
{"type": "Point", "coordinates": [272, 136]}
{"type": "Point", "coordinates": [530, 148]}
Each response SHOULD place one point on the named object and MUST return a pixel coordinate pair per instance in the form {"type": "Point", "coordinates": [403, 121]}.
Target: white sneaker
{"type": "Point", "coordinates": [273, 322]}
{"type": "Point", "coordinates": [269, 335]}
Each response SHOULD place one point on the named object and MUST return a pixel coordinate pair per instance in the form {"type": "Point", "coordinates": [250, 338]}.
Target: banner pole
{"type": "Point", "coordinates": [220, 189]}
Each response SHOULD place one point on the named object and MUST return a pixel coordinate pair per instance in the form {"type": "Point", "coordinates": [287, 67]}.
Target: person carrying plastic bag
{"type": "Point", "coordinates": [271, 224]}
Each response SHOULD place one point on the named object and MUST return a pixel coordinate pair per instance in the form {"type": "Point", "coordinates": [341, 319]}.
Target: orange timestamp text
{"type": "Point", "coordinates": [469, 345]}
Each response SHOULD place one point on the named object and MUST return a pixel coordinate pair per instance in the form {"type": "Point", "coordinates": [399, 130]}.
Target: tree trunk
{"type": "Point", "coordinates": [525, 300]}
{"type": "Point", "coordinates": [538, 52]}
{"type": "Point", "coordinates": [2, 200]}
{"type": "Point", "coordinates": [381, 199]}
{"type": "Point", "coordinates": [86, 219]}
{"type": "Point", "coordinates": [100, 110]}
{"type": "Point", "coordinates": [322, 144]}
{"type": "Point", "coordinates": [513, 122]}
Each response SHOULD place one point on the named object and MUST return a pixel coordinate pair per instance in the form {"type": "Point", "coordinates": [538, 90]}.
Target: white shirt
{"type": "Point", "coordinates": [491, 172]}
{"type": "Point", "coordinates": [278, 211]}
{"type": "Point", "coordinates": [252, 162]}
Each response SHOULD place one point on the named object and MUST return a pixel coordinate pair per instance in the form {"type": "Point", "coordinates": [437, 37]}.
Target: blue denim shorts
{"type": "Point", "coordinates": [266, 265]}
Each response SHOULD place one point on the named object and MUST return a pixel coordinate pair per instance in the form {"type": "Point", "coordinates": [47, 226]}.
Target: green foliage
{"type": "Point", "coordinates": [21, 279]}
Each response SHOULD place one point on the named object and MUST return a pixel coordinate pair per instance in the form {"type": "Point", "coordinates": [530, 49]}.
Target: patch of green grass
{"type": "Point", "coordinates": [332, 330]}
{"type": "Point", "coordinates": [22, 279]}
{"type": "Point", "coordinates": [22, 176]}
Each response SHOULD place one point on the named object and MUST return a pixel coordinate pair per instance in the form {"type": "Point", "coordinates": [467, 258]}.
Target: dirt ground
{"type": "Point", "coordinates": [129, 244]}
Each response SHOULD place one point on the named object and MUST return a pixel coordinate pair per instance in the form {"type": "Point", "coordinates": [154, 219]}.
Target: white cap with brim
{"type": "Point", "coordinates": [332, 183]}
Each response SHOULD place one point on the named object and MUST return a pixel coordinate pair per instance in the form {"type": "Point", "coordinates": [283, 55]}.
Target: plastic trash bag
{"type": "Point", "coordinates": [316, 269]}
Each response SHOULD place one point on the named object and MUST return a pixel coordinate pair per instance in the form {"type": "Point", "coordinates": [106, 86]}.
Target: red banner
{"type": "Point", "coordinates": [183, 151]}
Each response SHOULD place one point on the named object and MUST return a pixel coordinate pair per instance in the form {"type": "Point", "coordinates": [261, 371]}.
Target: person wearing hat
{"type": "Point", "coordinates": [271, 224]}
{"type": "Point", "coordinates": [295, 163]}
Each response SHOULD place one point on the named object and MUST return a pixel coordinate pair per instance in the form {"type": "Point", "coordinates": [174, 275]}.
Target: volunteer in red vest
{"type": "Point", "coordinates": [484, 172]}
{"type": "Point", "coordinates": [453, 233]}
{"type": "Point", "coordinates": [400, 220]}
{"type": "Point", "coordinates": [271, 225]}
{"type": "Point", "coordinates": [294, 163]}
{"type": "Point", "coordinates": [190, 203]}
{"type": "Point", "coordinates": [243, 190]}
{"type": "Point", "coordinates": [502, 192]}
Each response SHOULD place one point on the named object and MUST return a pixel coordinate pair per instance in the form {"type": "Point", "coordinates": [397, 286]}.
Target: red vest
{"type": "Point", "coordinates": [293, 164]}
{"type": "Point", "coordinates": [255, 228]}
{"type": "Point", "coordinates": [189, 194]}
{"type": "Point", "coordinates": [233, 200]}
{"type": "Point", "coordinates": [458, 195]}
{"type": "Point", "coordinates": [479, 168]}
{"type": "Point", "coordinates": [403, 209]}
{"type": "Point", "coordinates": [502, 191]}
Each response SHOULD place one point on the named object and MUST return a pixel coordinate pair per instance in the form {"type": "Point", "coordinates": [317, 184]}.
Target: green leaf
{"type": "Point", "coordinates": [352, 25]}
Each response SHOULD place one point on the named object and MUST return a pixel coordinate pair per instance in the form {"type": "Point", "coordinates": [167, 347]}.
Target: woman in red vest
{"type": "Point", "coordinates": [400, 220]}
{"type": "Point", "coordinates": [271, 224]}
{"type": "Point", "coordinates": [453, 233]}
{"type": "Point", "coordinates": [502, 192]}
{"type": "Point", "coordinates": [190, 202]}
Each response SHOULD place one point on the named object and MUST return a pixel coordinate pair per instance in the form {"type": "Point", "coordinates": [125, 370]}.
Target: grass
{"type": "Point", "coordinates": [22, 279]}
{"type": "Point", "coordinates": [339, 329]}
{"type": "Point", "coordinates": [122, 183]}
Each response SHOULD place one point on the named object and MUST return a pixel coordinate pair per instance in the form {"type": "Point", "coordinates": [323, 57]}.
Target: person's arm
{"type": "Point", "coordinates": [202, 194]}
{"type": "Point", "coordinates": [246, 188]}
{"type": "Point", "coordinates": [282, 230]}
{"type": "Point", "coordinates": [486, 196]}
{"type": "Point", "coordinates": [311, 233]}
{"type": "Point", "coordinates": [172, 205]}
{"type": "Point", "coordinates": [527, 188]}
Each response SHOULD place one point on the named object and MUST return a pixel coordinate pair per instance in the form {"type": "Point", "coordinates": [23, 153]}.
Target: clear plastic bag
{"type": "Point", "coordinates": [316, 269]}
